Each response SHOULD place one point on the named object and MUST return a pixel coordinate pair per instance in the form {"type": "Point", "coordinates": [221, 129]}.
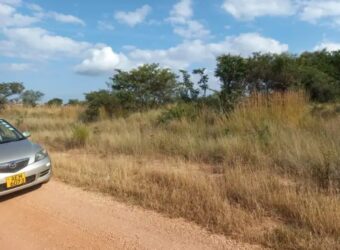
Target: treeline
{"type": "Point", "coordinates": [15, 92]}
{"type": "Point", "coordinates": [150, 86]}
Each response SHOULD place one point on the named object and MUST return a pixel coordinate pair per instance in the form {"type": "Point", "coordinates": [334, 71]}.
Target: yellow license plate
{"type": "Point", "coordinates": [15, 180]}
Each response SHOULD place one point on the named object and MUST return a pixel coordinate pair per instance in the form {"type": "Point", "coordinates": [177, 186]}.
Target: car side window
{"type": "Point", "coordinates": [7, 132]}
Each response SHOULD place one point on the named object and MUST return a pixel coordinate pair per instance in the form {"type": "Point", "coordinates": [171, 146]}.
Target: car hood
{"type": "Point", "coordinates": [18, 150]}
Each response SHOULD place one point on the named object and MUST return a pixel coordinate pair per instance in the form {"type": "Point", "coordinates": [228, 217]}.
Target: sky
{"type": "Point", "coordinates": [66, 48]}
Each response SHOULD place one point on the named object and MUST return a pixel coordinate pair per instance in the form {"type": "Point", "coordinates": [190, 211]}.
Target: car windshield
{"type": "Point", "coordinates": [8, 133]}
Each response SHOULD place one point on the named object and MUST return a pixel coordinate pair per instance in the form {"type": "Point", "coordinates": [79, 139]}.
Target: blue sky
{"type": "Point", "coordinates": [66, 48]}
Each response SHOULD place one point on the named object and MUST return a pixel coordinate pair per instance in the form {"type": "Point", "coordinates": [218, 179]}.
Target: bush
{"type": "Point", "coordinates": [80, 135]}
{"type": "Point", "coordinates": [91, 114]}
{"type": "Point", "coordinates": [2, 103]}
{"type": "Point", "coordinates": [323, 92]}
{"type": "Point", "coordinates": [55, 102]}
{"type": "Point", "coordinates": [74, 102]}
{"type": "Point", "coordinates": [96, 101]}
{"type": "Point", "coordinates": [31, 98]}
{"type": "Point", "coordinates": [178, 112]}
{"type": "Point", "coordinates": [212, 102]}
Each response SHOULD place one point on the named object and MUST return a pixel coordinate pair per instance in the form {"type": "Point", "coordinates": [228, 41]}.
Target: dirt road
{"type": "Point", "coordinates": [58, 216]}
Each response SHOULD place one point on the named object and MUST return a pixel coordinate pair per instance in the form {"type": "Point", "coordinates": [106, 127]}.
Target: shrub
{"type": "Point", "coordinates": [55, 102]}
{"type": "Point", "coordinates": [178, 112]}
{"type": "Point", "coordinates": [80, 135]}
{"type": "Point", "coordinates": [91, 114]}
{"type": "Point", "coordinates": [31, 97]}
{"type": "Point", "coordinates": [99, 101]}
{"type": "Point", "coordinates": [74, 102]}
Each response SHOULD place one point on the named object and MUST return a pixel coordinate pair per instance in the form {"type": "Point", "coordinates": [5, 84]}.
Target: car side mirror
{"type": "Point", "coordinates": [26, 134]}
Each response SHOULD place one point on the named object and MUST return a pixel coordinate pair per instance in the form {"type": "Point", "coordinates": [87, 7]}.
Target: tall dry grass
{"type": "Point", "coordinates": [269, 173]}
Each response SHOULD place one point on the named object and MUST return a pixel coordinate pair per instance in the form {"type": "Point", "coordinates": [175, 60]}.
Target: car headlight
{"type": "Point", "coordinates": [41, 155]}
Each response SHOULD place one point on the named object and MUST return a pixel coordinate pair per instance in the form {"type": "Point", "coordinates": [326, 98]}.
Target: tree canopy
{"type": "Point", "coordinates": [318, 73]}
{"type": "Point", "coordinates": [31, 97]}
{"type": "Point", "coordinates": [15, 92]}
{"type": "Point", "coordinates": [8, 91]}
{"type": "Point", "coordinates": [55, 102]}
{"type": "Point", "coordinates": [144, 87]}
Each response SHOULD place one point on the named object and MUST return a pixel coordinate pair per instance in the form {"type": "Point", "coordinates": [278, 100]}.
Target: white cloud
{"type": "Point", "coordinates": [59, 17]}
{"type": "Point", "coordinates": [20, 40]}
{"type": "Point", "coordinates": [250, 9]}
{"type": "Point", "coordinates": [192, 30]}
{"type": "Point", "coordinates": [104, 25]}
{"type": "Point", "coordinates": [34, 7]}
{"type": "Point", "coordinates": [100, 61]}
{"type": "Point", "coordinates": [329, 46]}
{"type": "Point", "coordinates": [181, 17]}
{"type": "Point", "coordinates": [6, 11]}
{"type": "Point", "coordinates": [10, 18]}
{"type": "Point", "coordinates": [40, 13]}
{"type": "Point", "coordinates": [37, 43]}
{"type": "Point", "coordinates": [181, 11]}
{"type": "Point", "coordinates": [246, 44]}
{"type": "Point", "coordinates": [314, 11]}
{"type": "Point", "coordinates": [191, 52]}
{"type": "Point", "coordinates": [182, 56]}
{"type": "Point", "coordinates": [336, 22]}
{"type": "Point", "coordinates": [11, 2]}
{"type": "Point", "coordinates": [66, 18]}
{"type": "Point", "coordinates": [16, 66]}
{"type": "Point", "coordinates": [134, 17]}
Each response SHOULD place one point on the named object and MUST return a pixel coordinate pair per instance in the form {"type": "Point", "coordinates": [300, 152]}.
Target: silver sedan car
{"type": "Point", "coordinates": [23, 164]}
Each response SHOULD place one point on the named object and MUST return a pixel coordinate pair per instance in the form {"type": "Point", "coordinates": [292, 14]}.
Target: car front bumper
{"type": "Point", "coordinates": [36, 173]}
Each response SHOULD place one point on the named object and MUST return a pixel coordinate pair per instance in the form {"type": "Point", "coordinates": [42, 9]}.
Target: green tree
{"type": "Point", "coordinates": [324, 61]}
{"type": "Point", "coordinates": [259, 72]}
{"type": "Point", "coordinates": [284, 74]}
{"type": "Point", "coordinates": [31, 97]}
{"type": "Point", "coordinates": [100, 99]}
{"type": "Point", "coordinates": [187, 91]}
{"type": "Point", "coordinates": [55, 102]}
{"type": "Point", "coordinates": [203, 81]}
{"type": "Point", "coordinates": [320, 86]}
{"type": "Point", "coordinates": [231, 70]}
{"type": "Point", "coordinates": [271, 72]}
{"type": "Point", "coordinates": [320, 73]}
{"type": "Point", "coordinates": [145, 87]}
{"type": "Point", "coordinates": [74, 102]}
{"type": "Point", "coordinates": [8, 91]}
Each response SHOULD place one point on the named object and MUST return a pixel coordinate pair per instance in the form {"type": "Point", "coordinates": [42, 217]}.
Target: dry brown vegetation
{"type": "Point", "coordinates": [269, 173]}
